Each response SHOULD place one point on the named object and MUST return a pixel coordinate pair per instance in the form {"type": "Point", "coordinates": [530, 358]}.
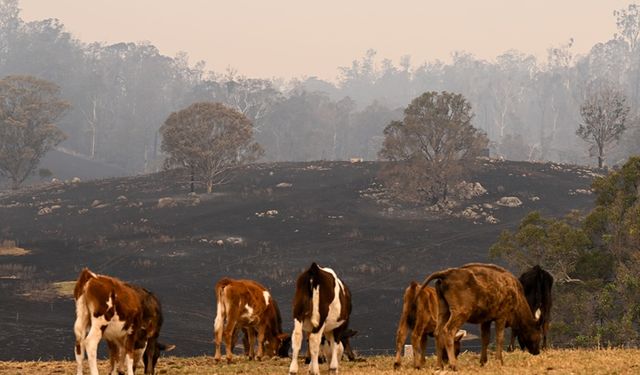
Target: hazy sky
{"type": "Point", "coordinates": [292, 38]}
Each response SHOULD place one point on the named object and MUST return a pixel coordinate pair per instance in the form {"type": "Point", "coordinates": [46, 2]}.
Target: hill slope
{"type": "Point", "coordinates": [324, 212]}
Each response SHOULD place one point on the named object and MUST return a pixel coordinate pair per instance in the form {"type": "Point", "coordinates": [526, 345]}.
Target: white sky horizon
{"type": "Point", "coordinates": [298, 38]}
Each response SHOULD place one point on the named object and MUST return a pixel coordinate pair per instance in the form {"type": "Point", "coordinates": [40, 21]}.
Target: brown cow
{"type": "Point", "coordinates": [480, 294]}
{"type": "Point", "coordinates": [420, 315]}
{"type": "Point", "coordinates": [321, 306]}
{"type": "Point", "coordinates": [247, 305]}
{"type": "Point", "coordinates": [128, 317]}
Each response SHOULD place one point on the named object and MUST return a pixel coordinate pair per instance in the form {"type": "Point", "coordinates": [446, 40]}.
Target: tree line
{"type": "Point", "coordinates": [120, 95]}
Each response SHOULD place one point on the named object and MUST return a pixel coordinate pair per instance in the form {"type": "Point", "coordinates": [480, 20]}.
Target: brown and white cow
{"type": "Point", "coordinates": [321, 307]}
{"type": "Point", "coordinates": [420, 316]}
{"type": "Point", "coordinates": [248, 306]}
{"type": "Point", "coordinates": [128, 317]}
{"type": "Point", "coordinates": [480, 294]}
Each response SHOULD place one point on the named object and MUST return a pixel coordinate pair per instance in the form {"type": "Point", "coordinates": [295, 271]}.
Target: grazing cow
{"type": "Point", "coordinates": [537, 284]}
{"type": "Point", "coordinates": [247, 305]}
{"type": "Point", "coordinates": [480, 294]}
{"type": "Point", "coordinates": [420, 315]}
{"type": "Point", "coordinates": [152, 315]}
{"type": "Point", "coordinates": [128, 317]}
{"type": "Point", "coordinates": [321, 306]}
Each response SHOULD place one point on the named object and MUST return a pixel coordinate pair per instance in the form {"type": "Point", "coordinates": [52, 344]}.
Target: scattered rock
{"type": "Point", "coordinates": [219, 243]}
{"type": "Point", "coordinates": [83, 211]}
{"type": "Point", "coordinates": [44, 211]}
{"type": "Point", "coordinates": [268, 213]}
{"type": "Point", "coordinates": [468, 190]}
{"type": "Point", "coordinates": [469, 213]}
{"type": "Point", "coordinates": [356, 160]}
{"type": "Point", "coordinates": [284, 185]}
{"type": "Point", "coordinates": [509, 202]}
{"type": "Point", "coordinates": [75, 180]}
{"type": "Point", "coordinates": [235, 241]}
{"type": "Point", "coordinates": [491, 220]}
{"type": "Point", "coordinates": [121, 199]}
{"type": "Point", "coordinates": [166, 202]}
{"type": "Point", "coordinates": [95, 203]}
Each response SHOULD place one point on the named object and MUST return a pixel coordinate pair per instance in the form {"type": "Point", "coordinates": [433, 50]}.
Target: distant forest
{"type": "Point", "coordinates": [122, 93]}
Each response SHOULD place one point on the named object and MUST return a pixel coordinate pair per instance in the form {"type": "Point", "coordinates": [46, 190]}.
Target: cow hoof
{"type": "Point", "coordinates": [396, 365]}
{"type": "Point", "coordinates": [229, 361]}
{"type": "Point", "coordinates": [333, 371]}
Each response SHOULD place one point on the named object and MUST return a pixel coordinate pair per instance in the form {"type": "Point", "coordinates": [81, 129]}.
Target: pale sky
{"type": "Point", "coordinates": [294, 38]}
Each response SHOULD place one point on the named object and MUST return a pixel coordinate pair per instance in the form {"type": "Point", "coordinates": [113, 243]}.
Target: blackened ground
{"type": "Point", "coordinates": [329, 215]}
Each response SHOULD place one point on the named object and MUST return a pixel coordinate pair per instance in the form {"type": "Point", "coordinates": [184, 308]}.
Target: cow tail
{"type": "Point", "coordinates": [436, 276]}
{"type": "Point", "coordinates": [83, 278]}
{"type": "Point", "coordinates": [221, 308]}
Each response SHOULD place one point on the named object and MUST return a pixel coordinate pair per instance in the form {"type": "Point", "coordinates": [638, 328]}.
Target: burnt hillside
{"type": "Point", "coordinates": [268, 224]}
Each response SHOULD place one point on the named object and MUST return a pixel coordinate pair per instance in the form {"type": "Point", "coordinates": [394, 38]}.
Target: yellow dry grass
{"type": "Point", "coordinates": [13, 251]}
{"type": "Point", "coordinates": [64, 288]}
{"type": "Point", "coordinates": [606, 361]}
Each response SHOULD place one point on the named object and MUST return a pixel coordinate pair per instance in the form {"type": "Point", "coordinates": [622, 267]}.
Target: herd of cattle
{"type": "Point", "coordinates": [129, 317]}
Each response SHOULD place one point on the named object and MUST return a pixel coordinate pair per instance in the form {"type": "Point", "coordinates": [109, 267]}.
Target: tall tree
{"type": "Point", "coordinates": [29, 110]}
{"type": "Point", "coordinates": [209, 139]}
{"type": "Point", "coordinates": [429, 147]}
{"type": "Point", "coordinates": [604, 113]}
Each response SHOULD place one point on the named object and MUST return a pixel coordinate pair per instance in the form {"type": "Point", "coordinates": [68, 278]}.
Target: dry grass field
{"type": "Point", "coordinates": [606, 361]}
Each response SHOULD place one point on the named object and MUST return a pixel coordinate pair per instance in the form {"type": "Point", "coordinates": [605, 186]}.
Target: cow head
{"type": "Point", "coordinates": [530, 339]}
{"type": "Point", "coordinates": [279, 345]}
{"type": "Point", "coordinates": [152, 353]}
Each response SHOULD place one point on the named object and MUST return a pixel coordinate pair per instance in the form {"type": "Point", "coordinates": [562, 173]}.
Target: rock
{"type": "Point", "coordinates": [491, 220]}
{"type": "Point", "coordinates": [95, 203]}
{"type": "Point", "coordinates": [44, 211]}
{"type": "Point", "coordinates": [235, 241]}
{"type": "Point", "coordinates": [166, 202]}
{"type": "Point", "coordinates": [75, 180]}
{"type": "Point", "coordinates": [284, 185]}
{"type": "Point", "coordinates": [121, 199]}
{"type": "Point", "coordinates": [509, 202]}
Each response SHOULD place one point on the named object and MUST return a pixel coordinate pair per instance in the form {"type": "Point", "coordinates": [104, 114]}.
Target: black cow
{"type": "Point", "coordinates": [537, 284]}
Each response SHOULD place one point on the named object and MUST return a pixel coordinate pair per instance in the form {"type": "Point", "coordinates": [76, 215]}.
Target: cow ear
{"type": "Point", "coordinates": [350, 333]}
{"type": "Point", "coordinates": [537, 314]}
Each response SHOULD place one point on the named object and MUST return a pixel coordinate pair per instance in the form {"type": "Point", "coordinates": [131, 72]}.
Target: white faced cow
{"type": "Point", "coordinates": [321, 306]}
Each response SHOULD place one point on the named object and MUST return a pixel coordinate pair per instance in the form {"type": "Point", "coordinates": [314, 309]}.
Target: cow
{"type": "Point", "coordinates": [420, 315]}
{"type": "Point", "coordinates": [248, 306]}
{"type": "Point", "coordinates": [480, 294]}
{"type": "Point", "coordinates": [128, 317]}
{"type": "Point", "coordinates": [537, 284]}
{"type": "Point", "coordinates": [152, 314]}
{"type": "Point", "coordinates": [321, 307]}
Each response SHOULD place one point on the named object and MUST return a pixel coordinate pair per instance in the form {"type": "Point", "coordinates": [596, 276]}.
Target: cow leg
{"type": "Point", "coordinates": [418, 348]}
{"type": "Point", "coordinates": [260, 342]}
{"type": "Point", "coordinates": [91, 345]}
{"type": "Point", "coordinates": [228, 338]}
{"type": "Point", "coordinates": [500, 323]}
{"type": "Point", "coordinates": [485, 332]}
{"type": "Point", "coordinates": [314, 350]}
{"type": "Point", "coordinates": [512, 341]}
{"type": "Point", "coordinates": [296, 343]}
{"type": "Point", "coordinates": [218, 326]}
{"type": "Point", "coordinates": [401, 336]}
{"type": "Point", "coordinates": [115, 358]}
{"type": "Point", "coordinates": [336, 350]}
{"type": "Point", "coordinates": [545, 329]}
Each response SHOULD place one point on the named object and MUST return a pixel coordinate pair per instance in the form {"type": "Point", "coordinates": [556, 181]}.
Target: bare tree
{"type": "Point", "coordinates": [429, 148]}
{"type": "Point", "coordinates": [209, 139]}
{"type": "Point", "coordinates": [604, 113]}
{"type": "Point", "coordinates": [29, 109]}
